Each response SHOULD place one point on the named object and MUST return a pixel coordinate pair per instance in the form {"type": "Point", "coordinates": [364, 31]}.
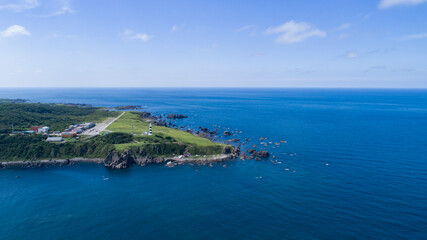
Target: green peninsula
{"type": "Point", "coordinates": [121, 138]}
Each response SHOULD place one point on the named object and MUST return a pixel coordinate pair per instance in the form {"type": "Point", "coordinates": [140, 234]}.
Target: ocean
{"type": "Point", "coordinates": [354, 166]}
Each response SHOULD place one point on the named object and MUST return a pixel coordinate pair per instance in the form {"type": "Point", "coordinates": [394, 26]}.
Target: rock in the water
{"type": "Point", "coordinates": [236, 152]}
{"type": "Point", "coordinates": [233, 140]}
{"type": "Point", "coordinates": [263, 154]}
{"type": "Point", "coordinates": [227, 133]}
{"type": "Point", "coordinates": [114, 160]}
{"type": "Point", "coordinates": [176, 116]}
{"type": "Point", "coordinates": [170, 164]}
{"type": "Point", "coordinates": [251, 151]}
{"type": "Point", "coordinates": [257, 159]}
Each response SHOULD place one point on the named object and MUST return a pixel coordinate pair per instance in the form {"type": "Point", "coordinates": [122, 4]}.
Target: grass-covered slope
{"type": "Point", "coordinates": [56, 116]}
{"type": "Point", "coordinates": [196, 144]}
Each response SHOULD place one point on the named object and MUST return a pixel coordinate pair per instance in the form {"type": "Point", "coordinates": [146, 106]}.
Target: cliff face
{"type": "Point", "coordinates": [116, 161]}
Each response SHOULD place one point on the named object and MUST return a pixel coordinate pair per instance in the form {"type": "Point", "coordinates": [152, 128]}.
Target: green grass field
{"type": "Point", "coordinates": [124, 124]}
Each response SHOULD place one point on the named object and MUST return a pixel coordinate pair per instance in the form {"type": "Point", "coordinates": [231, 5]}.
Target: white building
{"type": "Point", "coordinates": [44, 129]}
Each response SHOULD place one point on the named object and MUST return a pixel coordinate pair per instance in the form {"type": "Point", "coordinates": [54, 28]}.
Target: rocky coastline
{"type": "Point", "coordinates": [122, 160]}
{"type": "Point", "coordinates": [116, 160]}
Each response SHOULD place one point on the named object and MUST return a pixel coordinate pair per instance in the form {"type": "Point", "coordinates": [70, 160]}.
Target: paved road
{"type": "Point", "coordinates": [100, 126]}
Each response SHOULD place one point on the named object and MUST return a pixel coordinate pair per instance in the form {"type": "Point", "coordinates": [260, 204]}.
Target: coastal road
{"type": "Point", "coordinates": [99, 127]}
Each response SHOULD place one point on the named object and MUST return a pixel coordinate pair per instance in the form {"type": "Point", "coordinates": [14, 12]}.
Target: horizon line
{"type": "Point", "coordinates": [222, 87]}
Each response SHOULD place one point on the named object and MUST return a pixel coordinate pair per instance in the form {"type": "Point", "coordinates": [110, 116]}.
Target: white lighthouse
{"type": "Point", "coordinates": [150, 132]}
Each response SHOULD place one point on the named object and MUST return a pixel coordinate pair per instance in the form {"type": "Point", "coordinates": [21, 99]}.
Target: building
{"type": "Point", "coordinates": [35, 129]}
{"type": "Point", "coordinates": [54, 139]}
{"type": "Point", "coordinates": [89, 125]}
{"type": "Point", "coordinates": [44, 129]}
{"type": "Point", "coordinates": [68, 134]}
{"type": "Point", "coordinates": [77, 130]}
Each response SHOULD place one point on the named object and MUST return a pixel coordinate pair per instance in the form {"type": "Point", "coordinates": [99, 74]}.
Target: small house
{"type": "Point", "coordinates": [35, 129]}
{"type": "Point", "coordinates": [44, 129]}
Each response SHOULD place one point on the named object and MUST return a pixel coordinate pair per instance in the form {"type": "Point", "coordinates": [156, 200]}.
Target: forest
{"type": "Point", "coordinates": [57, 116]}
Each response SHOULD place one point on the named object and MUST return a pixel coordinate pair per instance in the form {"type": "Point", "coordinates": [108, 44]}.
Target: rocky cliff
{"type": "Point", "coordinates": [119, 161]}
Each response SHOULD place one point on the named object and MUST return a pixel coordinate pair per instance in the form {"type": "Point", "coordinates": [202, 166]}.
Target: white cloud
{"type": "Point", "coordinates": [141, 36]}
{"type": "Point", "coordinates": [293, 32]}
{"type": "Point", "coordinates": [66, 8]}
{"type": "Point", "coordinates": [392, 3]}
{"type": "Point", "coordinates": [415, 36]}
{"type": "Point", "coordinates": [13, 31]}
{"type": "Point", "coordinates": [19, 6]}
{"type": "Point", "coordinates": [344, 26]}
{"type": "Point", "coordinates": [176, 28]}
{"type": "Point", "coordinates": [351, 55]}
{"type": "Point", "coordinates": [130, 35]}
{"type": "Point", "coordinates": [54, 7]}
{"type": "Point", "coordinates": [59, 7]}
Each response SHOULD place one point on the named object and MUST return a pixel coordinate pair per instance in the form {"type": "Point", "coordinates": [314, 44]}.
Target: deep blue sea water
{"type": "Point", "coordinates": [354, 167]}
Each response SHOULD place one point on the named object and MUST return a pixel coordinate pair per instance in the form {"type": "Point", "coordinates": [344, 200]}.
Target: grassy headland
{"type": "Point", "coordinates": [195, 144]}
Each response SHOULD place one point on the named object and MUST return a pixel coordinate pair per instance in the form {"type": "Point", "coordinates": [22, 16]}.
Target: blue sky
{"type": "Point", "coordinates": [110, 43]}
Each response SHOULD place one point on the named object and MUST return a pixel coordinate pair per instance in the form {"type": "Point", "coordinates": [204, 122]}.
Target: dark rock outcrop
{"type": "Point", "coordinates": [227, 133]}
{"type": "Point", "coordinates": [116, 161]}
{"type": "Point", "coordinates": [149, 160]}
{"type": "Point", "coordinates": [176, 116]}
{"type": "Point", "coordinates": [262, 154]}
{"type": "Point", "coordinates": [228, 150]}
{"type": "Point", "coordinates": [161, 123]}
{"type": "Point", "coordinates": [233, 140]}
{"type": "Point", "coordinates": [128, 107]}
{"type": "Point", "coordinates": [146, 115]}
{"type": "Point", "coordinates": [251, 151]}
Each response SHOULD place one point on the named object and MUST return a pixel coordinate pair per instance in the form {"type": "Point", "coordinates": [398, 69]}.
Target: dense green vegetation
{"type": "Point", "coordinates": [28, 147]}
{"type": "Point", "coordinates": [56, 116]}
{"type": "Point", "coordinates": [34, 146]}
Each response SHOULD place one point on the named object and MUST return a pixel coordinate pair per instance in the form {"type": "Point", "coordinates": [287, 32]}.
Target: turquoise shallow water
{"type": "Point", "coordinates": [354, 167]}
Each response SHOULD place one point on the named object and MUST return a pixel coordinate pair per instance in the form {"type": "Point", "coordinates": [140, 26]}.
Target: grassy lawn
{"type": "Point", "coordinates": [124, 124]}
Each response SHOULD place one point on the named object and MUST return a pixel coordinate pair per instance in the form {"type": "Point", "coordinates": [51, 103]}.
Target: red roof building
{"type": "Point", "coordinates": [35, 129]}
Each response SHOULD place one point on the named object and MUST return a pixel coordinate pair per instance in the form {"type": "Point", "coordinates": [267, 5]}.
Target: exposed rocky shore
{"type": "Point", "coordinates": [117, 160]}
{"type": "Point", "coordinates": [121, 160]}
